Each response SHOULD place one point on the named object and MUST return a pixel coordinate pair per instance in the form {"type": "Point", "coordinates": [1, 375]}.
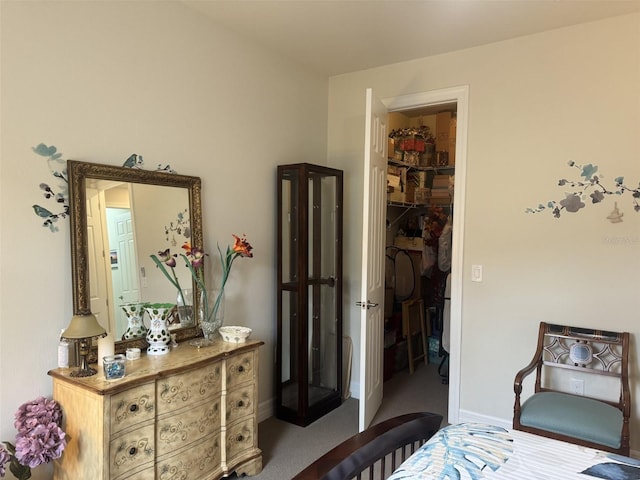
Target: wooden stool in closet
{"type": "Point", "coordinates": [412, 324]}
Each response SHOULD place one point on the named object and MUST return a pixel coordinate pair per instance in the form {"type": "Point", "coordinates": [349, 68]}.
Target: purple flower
{"type": "Point", "coordinates": [167, 258]}
{"type": "Point", "coordinates": [40, 445]}
{"type": "Point", "coordinates": [39, 439]}
{"type": "Point", "coordinates": [37, 412]}
{"type": "Point", "coordinates": [5, 458]}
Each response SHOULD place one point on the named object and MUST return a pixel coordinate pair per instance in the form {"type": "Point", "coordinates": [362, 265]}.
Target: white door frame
{"type": "Point", "coordinates": [459, 95]}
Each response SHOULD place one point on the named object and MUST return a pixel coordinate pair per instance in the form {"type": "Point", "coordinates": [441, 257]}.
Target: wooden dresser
{"type": "Point", "coordinates": [189, 415]}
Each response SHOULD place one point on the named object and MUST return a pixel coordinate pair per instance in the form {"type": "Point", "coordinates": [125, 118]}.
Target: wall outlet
{"type": "Point", "coordinates": [577, 386]}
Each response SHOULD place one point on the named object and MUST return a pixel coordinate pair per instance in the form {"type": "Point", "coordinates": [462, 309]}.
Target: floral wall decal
{"type": "Point", "coordinates": [181, 226]}
{"type": "Point", "coordinates": [59, 195]}
{"type": "Point", "coordinates": [590, 187]}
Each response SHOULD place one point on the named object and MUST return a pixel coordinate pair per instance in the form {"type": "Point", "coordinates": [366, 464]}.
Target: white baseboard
{"type": "Point", "coordinates": [266, 410]}
{"type": "Point", "coordinates": [465, 416]}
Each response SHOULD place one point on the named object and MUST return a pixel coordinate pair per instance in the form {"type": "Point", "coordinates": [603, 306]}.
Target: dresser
{"type": "Point", "coordinates": [188, 415]}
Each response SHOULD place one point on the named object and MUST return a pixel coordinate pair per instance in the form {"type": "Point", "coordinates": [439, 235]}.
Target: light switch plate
{"type": "Point", "coordinates": [476, 273]}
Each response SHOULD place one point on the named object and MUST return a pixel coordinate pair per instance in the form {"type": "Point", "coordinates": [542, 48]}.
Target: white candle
{"type": "Point", "coordinates": [106, 346]}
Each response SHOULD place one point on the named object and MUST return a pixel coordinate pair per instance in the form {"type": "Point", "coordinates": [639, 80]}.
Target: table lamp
{"type": "Point", "coordinates": [84, 327]}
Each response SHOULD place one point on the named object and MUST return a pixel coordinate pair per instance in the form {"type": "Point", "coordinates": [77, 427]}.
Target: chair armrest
{"type": "Point", "coordinates": [520, 376]}
{"type": "Point", "coordinates": [365, 448]}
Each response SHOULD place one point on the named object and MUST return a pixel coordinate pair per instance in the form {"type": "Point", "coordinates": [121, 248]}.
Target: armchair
{"type": "Point", "coordinates": [581, 393]}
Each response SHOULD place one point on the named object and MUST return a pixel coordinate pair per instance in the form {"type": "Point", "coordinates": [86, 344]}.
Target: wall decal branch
{"type": "Point", "coordinates": [60, 193]}
{"type": "Point", "coordinates": [589, 187]}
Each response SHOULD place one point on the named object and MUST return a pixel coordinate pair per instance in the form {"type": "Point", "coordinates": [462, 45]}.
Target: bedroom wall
{"type": "Point", "coordinates": [535, 103]}
{"type": "Point", "coordinates": [102, 80]}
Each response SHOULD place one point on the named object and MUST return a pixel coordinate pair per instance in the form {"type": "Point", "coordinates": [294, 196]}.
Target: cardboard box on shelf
{"type": "Point", "coordinates": [440, 181]}
{"type": "Point", "coordinates": [443, 123]}
{"type": "Point", "coordinates": [421, 195]}
{"type": "Point", "coordinates": [393, 181]}
{"type": "Point", "coordinates": [396, 196]}
{"type": "Point", "coordinates": [453, 127]}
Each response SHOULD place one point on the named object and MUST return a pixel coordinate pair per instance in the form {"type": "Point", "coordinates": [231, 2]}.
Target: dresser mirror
{"type": "Point", "coordinates": [119, 217]}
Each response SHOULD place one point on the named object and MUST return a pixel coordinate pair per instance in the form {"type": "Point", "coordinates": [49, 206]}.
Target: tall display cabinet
{"type": "Point", "coordinates": [309, 307]}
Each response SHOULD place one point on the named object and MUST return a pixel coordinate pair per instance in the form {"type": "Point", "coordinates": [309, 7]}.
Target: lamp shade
{"type": "Point", "coordinates": [84, 326]}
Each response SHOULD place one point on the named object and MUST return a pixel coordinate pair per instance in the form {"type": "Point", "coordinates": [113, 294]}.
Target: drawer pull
{"type": "Point", "coordinates": [133, 451]}
{"type": "Point", "coordinates": [240, 403]}
{"type": "Point", "coordinates": [240, 438]}
{"type": "Point", "coordinates": [241, 369]}
{"type": "Point", "coordinates": [133, 408]}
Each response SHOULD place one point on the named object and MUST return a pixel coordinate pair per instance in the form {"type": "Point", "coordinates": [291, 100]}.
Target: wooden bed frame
{"type": "Point", "coordinates": [375, 452]}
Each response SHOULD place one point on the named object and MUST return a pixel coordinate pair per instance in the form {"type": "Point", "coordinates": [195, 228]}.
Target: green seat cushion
{"type": "Point", "coordinates": [578, 417]}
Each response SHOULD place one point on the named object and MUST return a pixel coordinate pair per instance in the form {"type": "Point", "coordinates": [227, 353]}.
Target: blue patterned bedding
{"type": "Point", "coordinates": [473, 451]}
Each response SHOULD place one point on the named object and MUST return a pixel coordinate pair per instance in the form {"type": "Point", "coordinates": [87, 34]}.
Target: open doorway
{"type": "Point", "coordinates": [418, 250]}
{"type": "Point", "coordinates": [423, 109]}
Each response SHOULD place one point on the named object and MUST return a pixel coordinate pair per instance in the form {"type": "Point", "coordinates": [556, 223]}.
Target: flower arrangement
{"type": "Point", "coordinates": [163, 260]}
{"type": "Point", "coordinates": [39, 440]}
{"type": "Point", "coordinates": [241, 248]}
{"type": "Point", "coordinates": [194, 261]}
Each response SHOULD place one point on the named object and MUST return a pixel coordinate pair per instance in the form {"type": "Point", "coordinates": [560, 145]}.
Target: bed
{"type": "Point", "coordinates": [473, 451]}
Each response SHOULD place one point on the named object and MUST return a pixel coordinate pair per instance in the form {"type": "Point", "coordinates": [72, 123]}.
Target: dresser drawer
{"type": "Point", "coordinates": [187, 426]}
{"type": "Point", "coordinates": [240, 369]}
{"type": "Point", "coordinates": [240, 437]}
{"type": "Point", "coordinates": [189, 388]}
{"type": "Point", "coordinates": [240, 403]}
{"type": "Point", "coordinates": [132, 407]}
{"type": "Point", "coordinates": [197, 462]}
{"type": "Point", "coordinates": [131, 451]}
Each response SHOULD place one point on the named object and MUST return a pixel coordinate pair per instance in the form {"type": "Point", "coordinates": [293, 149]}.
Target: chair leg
{"type": "Point", "coordinates": [445, 376]}
{"type": "Point", "coordinates": [425, 352]}
{"type": "Point", "coordinates": [410, 352]}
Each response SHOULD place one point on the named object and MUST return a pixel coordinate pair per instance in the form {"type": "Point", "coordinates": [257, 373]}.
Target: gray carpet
{"type": "Point", "coordinates": [287, 449]}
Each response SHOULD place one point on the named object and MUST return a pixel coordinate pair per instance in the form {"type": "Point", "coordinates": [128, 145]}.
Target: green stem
{"type": "Point", "coordinates": [174, 281]}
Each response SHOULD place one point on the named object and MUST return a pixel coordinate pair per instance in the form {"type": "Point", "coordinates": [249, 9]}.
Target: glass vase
{"type": "Point", "coordinates": [135, 322]}
{"type": "Point", "coordinates": [184, 304]}
{"type": "Point", "coordinates": [211, 312]}
{"type": "Point", "coordinates": [158, 336]}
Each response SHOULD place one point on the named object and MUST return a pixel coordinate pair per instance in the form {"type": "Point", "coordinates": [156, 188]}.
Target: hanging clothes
{"type": "Point", "coordinates": [445, 246]}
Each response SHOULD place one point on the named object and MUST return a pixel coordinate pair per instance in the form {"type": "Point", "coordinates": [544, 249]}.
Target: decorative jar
{"type": "Point", "coordinates": [114, 366]}
{"type": "Point", "coordinates": [135, 321]}
{"type": "Point", "coordinates": [158, 336]}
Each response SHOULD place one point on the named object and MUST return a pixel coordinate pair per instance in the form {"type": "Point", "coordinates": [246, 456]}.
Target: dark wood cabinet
{"type": "Point", "coordinates": [309, 306]}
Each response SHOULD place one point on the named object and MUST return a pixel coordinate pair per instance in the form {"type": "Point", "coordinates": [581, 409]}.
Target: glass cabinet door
{"type": "Point", "coordinates": [309, 343]}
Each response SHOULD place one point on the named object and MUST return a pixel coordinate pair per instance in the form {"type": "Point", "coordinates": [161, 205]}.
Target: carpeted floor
{"type": "Point", "coordinates": [287, 448]}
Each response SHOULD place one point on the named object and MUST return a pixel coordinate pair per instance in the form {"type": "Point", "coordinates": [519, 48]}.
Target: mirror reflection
{"type": "Point", "coordinates": [130, 221]}
{"type": "Point", "coordinates": [119, 217]}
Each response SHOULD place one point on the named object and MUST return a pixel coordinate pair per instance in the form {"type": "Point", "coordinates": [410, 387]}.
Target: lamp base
{"type": "Point", "coordinates": [83, 372]}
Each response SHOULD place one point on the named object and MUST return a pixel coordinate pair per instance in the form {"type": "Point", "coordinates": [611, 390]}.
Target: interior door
{"type": "Point", "coordinates": [372, 281]}
{"type": "Point", "coordinates": [97, 259]}
{"type": "Point", "coordinates": [125, 274]}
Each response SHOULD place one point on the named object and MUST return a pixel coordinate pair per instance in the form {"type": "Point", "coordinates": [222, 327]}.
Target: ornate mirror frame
{"type": "Point", "coordinates": [78, 172]}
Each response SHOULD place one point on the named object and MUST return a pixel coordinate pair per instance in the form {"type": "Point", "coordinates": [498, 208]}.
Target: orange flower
{"type": "Point", "coordinates": [242, 246]}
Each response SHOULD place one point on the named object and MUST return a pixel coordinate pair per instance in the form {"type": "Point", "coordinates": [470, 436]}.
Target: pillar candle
{"type": "Point", "coordinates": [106, 347]}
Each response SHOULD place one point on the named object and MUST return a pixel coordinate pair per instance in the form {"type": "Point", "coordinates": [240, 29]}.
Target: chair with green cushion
{"type": "Point", "coordinates": [576, 371]}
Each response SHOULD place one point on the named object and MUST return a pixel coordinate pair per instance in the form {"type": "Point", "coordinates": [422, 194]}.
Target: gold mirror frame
{"type": "Point", "coordinates": [77, 173]}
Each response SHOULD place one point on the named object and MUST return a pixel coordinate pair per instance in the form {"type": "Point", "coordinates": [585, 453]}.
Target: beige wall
{"type": "Point", "coordinates": [102, 80]}
{"type": "Point", "coordinates": [535, 103]}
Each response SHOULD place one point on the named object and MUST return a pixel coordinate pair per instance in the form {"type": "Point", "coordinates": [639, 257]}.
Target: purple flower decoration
{"type": "Point", "coordinates": [40, 445]}
{"type": "Point", "coordinates": [37, 412]}
{"type": "Point", "coordinates": [5, 458]}
{"type": "Point", "coordinates": [39, 440]}
{"type": "Point", "coordinates": [167, 258]}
